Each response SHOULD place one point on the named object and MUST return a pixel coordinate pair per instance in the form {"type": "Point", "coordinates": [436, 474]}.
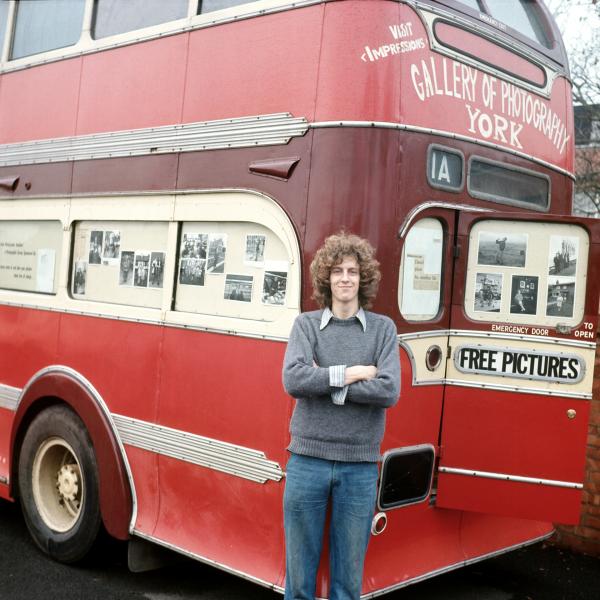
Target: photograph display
{"type": "Point", "coordinates": [191, 271]}
{"type": "Point", "coordinates": [502, 249]}
{"type": "Point", "coordinates": [275, 283]}
{"type": "Point", "coordinates": [488, 292]}
{"type": "Point", "coordinates": [157, 270]}
{"type": "Point", "coordinates": [254, 254]}
{"type": "Point", "coordinates": [524, 294]}
{"type": "Point", "coordinates": [238, 287]}
{"type": "Point", "coordinates": [80, 277]}
{"type": "Point", "coordinates": [141, 269]}
{"type": "Point", "coordinates": [562, 258]}
{"type": "Point", "coordinates": [561, 296]}
{"type": "Point", "coordinates": [217, 248]}
{"type": "Point", "coordinates": [96, 246]}
{"type": "Point", "coordinates": [112, 245]}
{"type": "Point", "coordinates": [126, 268]}
{"type": "Point", "coordinates": [193, 245]}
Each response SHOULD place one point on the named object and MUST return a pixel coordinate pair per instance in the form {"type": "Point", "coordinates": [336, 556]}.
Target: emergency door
{"type": "Point", "coordinates": [520, 367]}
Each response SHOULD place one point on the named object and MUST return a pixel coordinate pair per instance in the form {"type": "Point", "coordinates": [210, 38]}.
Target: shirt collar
{"type": "Point", "coordinates": [327, 316]}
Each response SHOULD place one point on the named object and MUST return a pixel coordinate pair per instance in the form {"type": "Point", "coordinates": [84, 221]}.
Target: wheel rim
{"type": "Point", "coordinates": [58, 485]}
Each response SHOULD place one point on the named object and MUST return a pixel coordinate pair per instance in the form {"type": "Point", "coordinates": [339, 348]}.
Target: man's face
{"type": "Point", "coordinates": [344, 280]}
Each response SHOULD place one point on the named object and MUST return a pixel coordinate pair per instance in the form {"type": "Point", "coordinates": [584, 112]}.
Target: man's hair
{"type": "Point", "coordinates": [332, 253]}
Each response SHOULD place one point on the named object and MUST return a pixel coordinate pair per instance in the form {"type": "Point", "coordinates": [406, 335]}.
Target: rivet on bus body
{"type": "Point", "coordinates": [571, 413]}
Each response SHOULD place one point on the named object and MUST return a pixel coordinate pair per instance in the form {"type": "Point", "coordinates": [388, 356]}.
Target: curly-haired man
{"type": "Point", "coordinates": [342, 367]}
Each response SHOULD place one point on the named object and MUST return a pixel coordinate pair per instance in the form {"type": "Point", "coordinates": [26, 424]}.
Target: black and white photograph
{"type": "Point", "coordinates": [79, 277]}
{"type": "Point", "coordinates": [95, 257]}
{"type": "Point", "coordinates": [274, 286]}
{"type": "Point", "coordinates": [112, 245]}
{"type": "Point", "coordinates": [126, 268]}
{"type": "Point", "coordinates": [193, 245]}
{"type": "Point", "coordinates": [191, 271]}
{"type": "Point", "coordinates": [524, 295]}
{"type": "Point", "coordinates": [238, 287]}
{"type": "Point", "coordinates": [217, 248]}
{"type": "Point", "coordinates": [141, 269]}
{"type": "Point", "coordinates": [562, 258]}
{"type": "Point", "coordinates": [561, 297]}
{"type": "Point", "coordinates": [488, 292]}
{"type": "Point", "coordinates": [157, 269]}
{"type": "Point", "coordinates": [502, 249]}
{"type": "Point", "coordinates": [254, 255]}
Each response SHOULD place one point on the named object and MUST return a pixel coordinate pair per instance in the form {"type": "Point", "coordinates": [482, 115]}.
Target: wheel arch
{"type": "Point", "coordinates": [63, 385]}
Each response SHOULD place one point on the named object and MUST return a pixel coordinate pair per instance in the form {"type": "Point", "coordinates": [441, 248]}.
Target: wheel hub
{"type": "Point", "coordinates": [68, 482]}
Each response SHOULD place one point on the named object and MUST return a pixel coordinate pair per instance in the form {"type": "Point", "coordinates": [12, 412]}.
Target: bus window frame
{"type": "Point", "coordinates": [508, 202]}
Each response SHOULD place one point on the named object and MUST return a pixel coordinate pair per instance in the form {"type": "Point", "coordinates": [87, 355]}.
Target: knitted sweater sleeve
{"type": "Point", "coordinates": [301, 378]}
{"type": "Point", "coordinates": [383, 390]}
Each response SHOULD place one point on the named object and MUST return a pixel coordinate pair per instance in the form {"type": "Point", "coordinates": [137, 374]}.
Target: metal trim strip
{"type": "Point", "coordinates": [518, 388]}
{"type": "Point", "coordinates": [241, 132]}
{"type": "Point", "coordinates": [9, 397]}
{"type": "Point", "coordinates": [518, 478]}
{"type": "Point", "coordinates": [198, 450]}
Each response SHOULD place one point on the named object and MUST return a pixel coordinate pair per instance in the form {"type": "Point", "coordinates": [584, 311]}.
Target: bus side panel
{"type": "Point", "coordinates": [28, 339]}
{"type": "Point", "coordinates": [217, 386]}
{"type": "Point", "coordinates": [134, 86]}
{"type": "Point", "coordinates": [266, 65]}
{"type": "Point", "coordinates": [6, 422]}
{"type": "Point", "coordinates": [40, 103]}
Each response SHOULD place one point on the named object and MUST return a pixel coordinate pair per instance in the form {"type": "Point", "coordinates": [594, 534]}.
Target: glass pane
{"type": "Point", "coordinates": [42, 26]}
{"type": "Point", "coordinates": [120, 262]}
{"type": "Point", "coordinates": [29, 254]}
{"type": "Point", "coordinates": [3, 16]}
{"type": "Point", "coordinates": [406, 478]}
{"type": "Point", "coordinates": [211, 5]}
{"type": "Point", "coordinates": [471, 4]}
{"type": "Point", "coordinates": [234, 269]}
{"type": "Point", "coordinates": [508, 186]}
{"type": "Point", "coordinates": [420, 283]}
{"type": "Point", "coordinates": [520, 15]}
{"type": "Point", "coordinates": [118, 16]}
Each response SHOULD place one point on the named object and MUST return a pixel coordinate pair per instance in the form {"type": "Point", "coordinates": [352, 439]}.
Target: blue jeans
{"type": "Point", "coordinates": [310, 484]}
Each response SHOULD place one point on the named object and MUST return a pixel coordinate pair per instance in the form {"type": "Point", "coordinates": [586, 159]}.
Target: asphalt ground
{"type": "Point", "coordinates": [539, 572]}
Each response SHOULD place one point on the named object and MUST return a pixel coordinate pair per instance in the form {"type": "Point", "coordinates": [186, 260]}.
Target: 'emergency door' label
{"type": "Point", "coordinates": [513, 362]}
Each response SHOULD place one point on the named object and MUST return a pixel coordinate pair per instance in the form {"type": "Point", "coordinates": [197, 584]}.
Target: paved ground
{"type": "Point", "coordinates": [537, 573]}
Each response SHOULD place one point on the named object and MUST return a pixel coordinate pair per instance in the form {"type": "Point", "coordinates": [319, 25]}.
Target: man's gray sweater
{"type": "Point", "coordinates": [352, 431]}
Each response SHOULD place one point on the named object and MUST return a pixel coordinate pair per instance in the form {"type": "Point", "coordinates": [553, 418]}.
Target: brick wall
{"type": "Point", "coordinates": [585, 537]}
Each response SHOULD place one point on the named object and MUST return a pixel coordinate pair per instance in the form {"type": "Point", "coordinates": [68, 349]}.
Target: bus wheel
{"type": "Point", "coordinates": [58, 485]}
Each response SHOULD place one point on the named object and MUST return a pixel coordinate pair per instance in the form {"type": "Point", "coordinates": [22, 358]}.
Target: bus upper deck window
{"type": "Point", "coordinates": [205, 6]}
{"type": "Point", "coordinates": [508, 185]}
{"type": "Point", "coordinates": [115, 16]}
{"type": "Point", "coordinates": [522, 16]}
{"type": "Point", "coordinates": [420, 283]}
{"type": "Point", "coordinates": [471, 4]}
{"type": "Point", "coordinates": [3, 20]}
{"type": "Point", "coordinates": [42, 26]}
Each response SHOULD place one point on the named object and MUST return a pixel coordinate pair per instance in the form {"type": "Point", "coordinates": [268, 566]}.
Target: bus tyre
{"type": "Point", "coordinates": [58, 485]}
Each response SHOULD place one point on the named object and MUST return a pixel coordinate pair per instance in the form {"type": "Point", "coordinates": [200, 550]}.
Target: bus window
{"type": "Point", "coordinates": [526, 272]}
{"type": "Point", "coordinates": [119, 262]}
{"type": "Point", "coordinates": [471, 4]}
{"type": "Point", "coordinates": [508, 185]}
{"type": "Point", "coordinates": [42, 26]}
{"type": "Point", "coordinates": [211, 5]}
{"type": "Point", "coordinates": [115, 16]}
{"type": "Point", "coordinates": [234, 269]}
{"type": "Point", "coordinates": [520, 15]}
{"type": "Point", "coordinates": [3, 18]}
{"type": "Point", "coordinates": [420, 282]}
{"type": "Point", "coordinates": [29, 254]}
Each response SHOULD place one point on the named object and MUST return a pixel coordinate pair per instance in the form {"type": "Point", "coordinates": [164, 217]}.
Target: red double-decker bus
{"type": "Point", "coordinates": [167, 171]}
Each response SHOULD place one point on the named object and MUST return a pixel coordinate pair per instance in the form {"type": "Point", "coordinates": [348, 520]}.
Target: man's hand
{"type": "Point", "coordinates": [359, 373]}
